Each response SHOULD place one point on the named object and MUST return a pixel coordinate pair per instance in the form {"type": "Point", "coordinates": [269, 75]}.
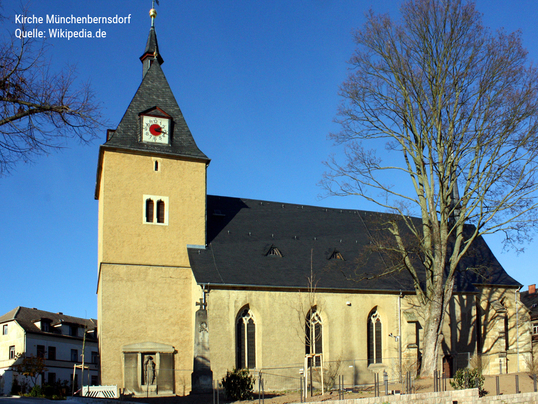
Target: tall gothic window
{"type": "Point", "coordinates": [160, 211]}
{"type": "Point", "coordinates": [245, 337]}
{"type": "Point", "coordinates": [313, 336]}
{"type": "Point", "coordinates": [374, 338]}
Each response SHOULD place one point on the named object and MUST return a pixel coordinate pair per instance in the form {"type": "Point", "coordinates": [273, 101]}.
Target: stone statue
{"type": "Point", "coordinates": [150, 371]}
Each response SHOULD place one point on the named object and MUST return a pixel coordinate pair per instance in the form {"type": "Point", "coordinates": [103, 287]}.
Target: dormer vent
{"type": "Point", "coordinates": [273, 251]}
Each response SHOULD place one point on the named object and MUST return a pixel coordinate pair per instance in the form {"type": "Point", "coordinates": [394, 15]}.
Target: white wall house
{"type": "Point", "coordinates": [58, 338]}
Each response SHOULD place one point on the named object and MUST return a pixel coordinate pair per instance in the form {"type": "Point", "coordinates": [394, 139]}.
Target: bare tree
{"type": "Point", "coordinates": [457, 107]}
{"type": "Point", "coordinates": [39, 109]}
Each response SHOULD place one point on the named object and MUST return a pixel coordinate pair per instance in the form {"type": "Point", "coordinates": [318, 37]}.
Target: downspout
{"type": "Point", "coordinates": [400, 297]}
{"type": "Point", "coordinates": [517, 326]}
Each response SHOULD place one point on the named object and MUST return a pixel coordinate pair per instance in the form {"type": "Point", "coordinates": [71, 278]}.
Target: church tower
{"type": "Point", "coordinates": [151, 188]}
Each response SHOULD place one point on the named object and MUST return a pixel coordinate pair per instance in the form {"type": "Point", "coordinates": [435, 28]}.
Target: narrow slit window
{"type": "Point", "coordinates": [156, 165]}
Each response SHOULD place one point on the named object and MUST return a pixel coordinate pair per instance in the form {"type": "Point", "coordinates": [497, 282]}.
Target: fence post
{"type": "Point", "coordinates": [497, 385]}
{"type": "Point", "coordinates": [517, 384]}
{"type": "Point", "coordinates": [386, 381]}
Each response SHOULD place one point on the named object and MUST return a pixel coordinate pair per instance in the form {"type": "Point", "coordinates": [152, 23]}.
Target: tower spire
{"type": "Point", "coordinates": [151, 53]}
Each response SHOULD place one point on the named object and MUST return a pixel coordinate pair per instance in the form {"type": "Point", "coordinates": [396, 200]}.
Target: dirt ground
{"type": "Point", "coordinates": [507, 385]}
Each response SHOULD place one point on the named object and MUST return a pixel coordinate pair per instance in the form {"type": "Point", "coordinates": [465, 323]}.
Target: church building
{"type": "Point", "coordinates": [191, 285]}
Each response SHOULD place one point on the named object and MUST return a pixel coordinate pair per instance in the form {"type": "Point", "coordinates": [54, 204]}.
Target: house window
{"type": "Point", "coordinates": [73, 330]}
{"type": "Point", "coordinates": [5, 329]}
{"type": "Point", "coordinates": [245, 336]}
{"type": "Point", "coordinates": [313, 337]}
{"type": "Point", "coordinates": [52, 353]}
{"type": "Point", "coordinates": [95, 380]}
{"type": "Point", "coordinates": [95, 357]}
{"type": "Point", "coordinates": [74, 355]}
{"type": "Point", "coordinates": [51, 378]}
{"type": "Point", "coordinates": [41, 351]}
{"type": "Point", "coordinates": [374, 338]}
{"type": "Point", "coordinates": [45, 325]}
{"type": "Point", "coordinates": [156, 209]}
{"type": "Point", "coordinates": [535, 328]}
{"type": "Point", "coordinates": [12, 352]}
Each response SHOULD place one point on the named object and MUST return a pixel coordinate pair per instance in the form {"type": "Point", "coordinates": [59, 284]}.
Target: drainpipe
{"type": "Point", "coordinates": [517, 327]}
{"type": "Point", "coordinates": [400, 297]}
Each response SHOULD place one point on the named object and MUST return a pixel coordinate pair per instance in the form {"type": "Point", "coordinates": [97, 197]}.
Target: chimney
{"type": "Point", "coordinates": [532, 289]}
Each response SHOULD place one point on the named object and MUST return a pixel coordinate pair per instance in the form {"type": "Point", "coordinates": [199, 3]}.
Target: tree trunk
{"type": "Point", "coordinates": [432, 336]}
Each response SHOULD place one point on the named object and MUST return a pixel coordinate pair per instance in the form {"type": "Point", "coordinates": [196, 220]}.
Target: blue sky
{"type": "Point", "coordinates": [257, 81]}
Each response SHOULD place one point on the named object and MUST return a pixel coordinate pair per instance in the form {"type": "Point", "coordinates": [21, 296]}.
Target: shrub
{"type": "Point", "coordinates": [468, 378]}
{"type": "Point", "coordinates": [36, 391]}
{"type": "Point", "coordinates": [238, 384]}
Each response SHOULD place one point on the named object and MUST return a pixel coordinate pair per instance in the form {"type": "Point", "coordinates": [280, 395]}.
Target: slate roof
{"type": "Point", "coordinates": [154, 92]}
{"type": "Point", "coordinates": [531, 301]}
{"type": "Point", "coordinates": [240, 233]}
{"type": "Point", "coordinates": [152, 46]}
{"type": "Point", "coordinates": [27, 318]}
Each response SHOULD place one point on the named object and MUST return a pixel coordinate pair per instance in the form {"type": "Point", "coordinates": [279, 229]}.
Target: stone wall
{"type": "Point", "coordinates": [469, 396]}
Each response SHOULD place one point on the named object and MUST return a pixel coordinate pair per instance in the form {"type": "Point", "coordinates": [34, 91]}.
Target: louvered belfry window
{"type": "Point", "coordinates": [149, 210]}
{"type": "Point", "coordinates": [374, 338]}
{"type": "Point", "coordinates": [245, 340]}
{"type": "Point", "coordinates": [160, 211]}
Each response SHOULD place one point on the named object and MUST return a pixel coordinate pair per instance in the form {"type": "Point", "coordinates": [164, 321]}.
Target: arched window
{"type": "Point", "coordinates": [245, 337]}
{"type": "Point", "coordinates": [149, 210]}
{"type": "Point", "coordinates": [155, 209]}
{"type": "Point", "coordinates": [374, 338]}
{"type": "Point", "coordinates": [313, 335]}
{"type": "Point", "coordinates": [160, 211]}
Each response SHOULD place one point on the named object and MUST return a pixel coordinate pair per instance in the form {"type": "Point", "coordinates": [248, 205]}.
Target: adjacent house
{"type": "Point", "coordinates": [55, 337]}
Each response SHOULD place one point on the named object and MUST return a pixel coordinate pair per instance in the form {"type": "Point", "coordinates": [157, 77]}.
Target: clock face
{"type": "Point", "coordinates": [155, 129]}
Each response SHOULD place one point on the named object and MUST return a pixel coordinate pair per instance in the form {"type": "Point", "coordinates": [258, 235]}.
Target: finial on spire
{"type": "Point", "coordinates": [153, 12]}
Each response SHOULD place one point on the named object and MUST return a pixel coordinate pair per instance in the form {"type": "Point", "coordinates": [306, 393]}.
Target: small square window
{"type": "Point", "coordinates": [5, 329]}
